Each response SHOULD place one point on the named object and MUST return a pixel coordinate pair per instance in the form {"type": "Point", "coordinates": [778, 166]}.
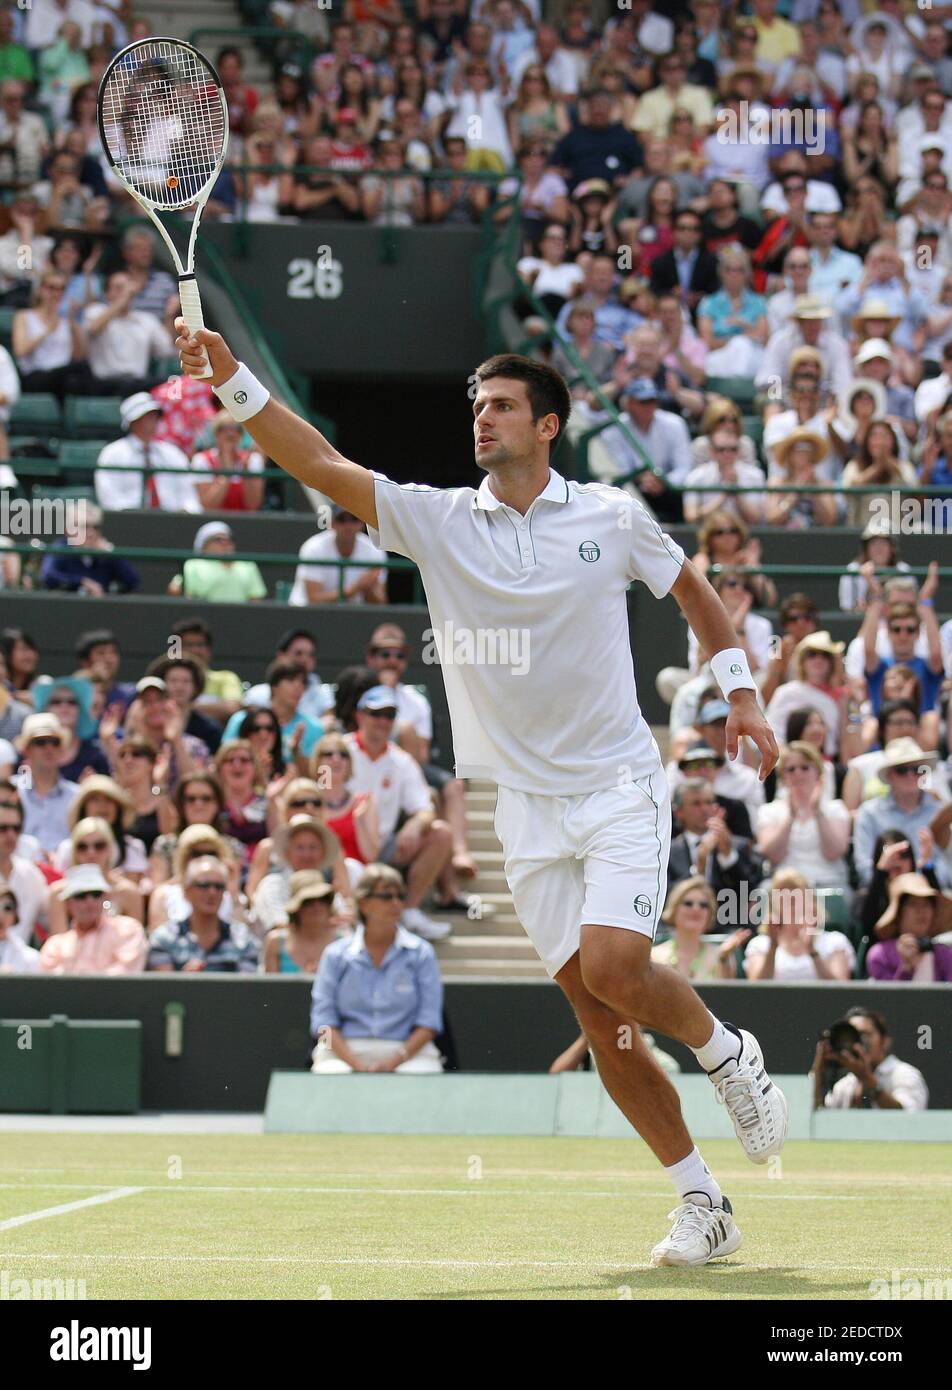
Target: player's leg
{"type": "Point", "coordinates": [622, 836]}
{"type": "Point", "coordinates": [703, 1224]}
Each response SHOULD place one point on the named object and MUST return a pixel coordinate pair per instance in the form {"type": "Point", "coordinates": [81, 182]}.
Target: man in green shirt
{"type": "Point", "coordinates": [218, 581]}
{"type": "Point", "coordinates": [15, 61]}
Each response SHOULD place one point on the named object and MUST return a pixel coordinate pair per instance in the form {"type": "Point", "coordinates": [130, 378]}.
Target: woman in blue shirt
{"type": "Point", "coordinates": [734, 319]}
{"type": "Point", "coordinates": [377, 1002]}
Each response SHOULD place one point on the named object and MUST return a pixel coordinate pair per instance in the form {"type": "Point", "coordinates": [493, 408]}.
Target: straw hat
{"type": "Point", "coordinates": [98, 785]}
{"type": "Point", "coordinates": [39, 726]}
{"type": "Point", "coordinates": [819, 642]}
{"type": "Point", "coordinates": [307, 885]}
{"type": "Point", "coordinates": [298, 823]}
{"type": "Point", "coordinates": [875, 309]}
{"type": "Point", "coordinates": [811, 306]}
{"type": "Point", "coordinates": [800, 436]}
{"type": "Point", "coordinates": [902, 752]}
{"type": "Point", "coordinates": [913, 886]}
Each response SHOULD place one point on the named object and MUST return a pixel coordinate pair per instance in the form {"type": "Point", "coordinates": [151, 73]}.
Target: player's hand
{"type": "Point", "coordinates": [221, 359]}
{"type": "Point", "coordinates": [746, 717]}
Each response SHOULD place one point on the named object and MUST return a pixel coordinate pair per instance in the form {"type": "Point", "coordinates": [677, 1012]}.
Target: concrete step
{"type": "Point", "coordinates": [486, 948]}
{"type": "Point", "coordinates": [496, 969]}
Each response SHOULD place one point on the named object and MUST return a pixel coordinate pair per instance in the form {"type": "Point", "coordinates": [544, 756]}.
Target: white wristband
{"type": "Point", "coordinates": [242, 395]}
{"type": "Point", "coordinates": [731, 671]}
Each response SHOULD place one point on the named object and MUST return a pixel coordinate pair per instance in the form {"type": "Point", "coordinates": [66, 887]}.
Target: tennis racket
{"type": "Point", "coordinates": [163, 121]}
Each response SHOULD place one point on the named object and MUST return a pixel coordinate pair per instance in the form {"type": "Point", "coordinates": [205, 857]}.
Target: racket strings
{"type": "Point", "coordinates": [164, 122]}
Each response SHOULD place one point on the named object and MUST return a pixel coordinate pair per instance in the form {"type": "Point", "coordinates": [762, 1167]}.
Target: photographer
{"type": "Point", "coordinates": [875, 1080]}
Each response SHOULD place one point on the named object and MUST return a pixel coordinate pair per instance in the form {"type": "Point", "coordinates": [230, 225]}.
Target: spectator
{"type": "Point", "coordinates": [725, 468]}
{"type": "Point", "coordinates": [124, 470]}
{"type": "Point", "coordinates": [98, 657]}
{"type": "Point", "coordinates": [908, 806]}
{"type": "Point", "coordinates": [935, 469]}
{"type": "Point", "coordinates": [92, 575]}
{"type": "Point", "coordinates": [688, 269]}
{"type": "Point", "coordinates": [92, 842]}
{"type": "Point", "coordinates": [875, 1079]}
{"type": "Point", "coordinates": [46, 795]}
{"type": "Point", "coordinates": [906, 950]}
{"type": "Point", "coordinates": [454, 198]}
{"type": "Point", "coordinates": [221, 693]}
{"type": "Point", "coordinates": [809, 326]}
{"type": "Point", "coordinates": [391, 198]}
{"type": "Point", "coordinates": [596, 148]}
{"type": "Point", "coordinates": [134, 764]}
{"type": "Point", "coordinates": [15, 60]}
{"type": "Point", "coordinates": [905, 623]}
{"type": "Point", "coordinates": [19, 273]}
{"type": "Point", "coordinates": [303, 843]}
{"type": "Point", "coordinates": [183, 676]}
{"type": "Point", "coordinates": [723, 538]}
{"type": "Point", "coordinates": [94, 943]}
{"type": "Point", "coordinates": [330, 582]}
{"type": "Point", "coordinates": [892, 855]}
{"type": "Point", "coordinates": [298, 646]}
{"type": "Point", "coordinates": [704, 845]}
{"type": "Point", "coordinates": [123, 340]}
{"type": "Point", "coordinates": [422, 844]}
{"type": "Point", "coordinates": [597, 356]}
{"type": "Point", "coordinates": [187, 406]}
{"type": "Point", "coordinates": [103, 798]}
{"type": "Point", "coordinates": [294, 795]}
{"type": "Point", "coordinates": [753, 631]}
{"type": "Point", "coordinates": [296, 948]}
{"type": "Point", "coordinates": [797, 457]}
{"type": "Point", "coordinates": [796, 279]}
{"type": "Point", "coordinates": [172, 854]}
{"type": "Point", "coordinates": [49, 350]}
{"type": "Point", "coordinates": [17, 957]}
{"type": "Point", "coordinates": [591, 214]}
{"type": "Point", "coordinates": [818, 683]}
{"type": "Point", "coordinates": [21, 876]}
{"type": "Point", "coordinates": [878, 462]}
{"type": "Point", "coordinates": [260, 729]}
{"type": "Point", "coordinates": [22, 661]}
{"type": "Point", "coordinates": [70, 700]}
{"type": "Point", "coordinates": [206, 939]}
{"type": "Point", "coordinates": [731, 779]}
{"type": "Point", "coordinates": [287, 680]}
{"type": "Point", "coordinates": [673, 93]}
{"type": "Point", "coordinates": [157, 294]}
{"type": "Point", "coordinates": [218, 581]}
{"type": "Point", "coordinates": [154, 716]}
{"type": "Point", "coordinates": [259, 187]}
{"type": "Point", "coordinates": [664, 457]}
{"type": "Point", "coordinates": [612, 318]}
{"type": "Point", "coordinates": [319, 188]}
{"type": "Point", "coordinates": [897, 718]}
{"type": "Point", "coordinates": [803, 830]}
{"type": "Point", "coordinates": [860, 405]}
{"type": "Point", "coordinates": [474, 95]}
{"type": "Point", "coordinates": [377, 1002]}
{"type": "Point", "coordinates": [733, 322]}
{"type": "Point", "coordinates": [9, 395]}
{"type": "Point", "coordinates": [244, 814]}
{"type": "Point", "coordinates": [23, 138]}
{"type": "Point", "coordinates": [881, 548]}
{"type": "Point", "coordinates": [352, 816]}
{"type": "Point", "coordinates": [689, 915]}
{"type": "Point", "coordinates": [233, 488]}
{"type": "Point", "coordinates": [536, 113]}
{"type": "Point", "coordinates": [553, 277]}
{"type": "Point", "coordinates": [791, 943]}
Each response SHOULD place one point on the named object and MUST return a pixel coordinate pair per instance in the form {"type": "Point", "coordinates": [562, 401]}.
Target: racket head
{"type": "Point", "coordinates": [163, 122]}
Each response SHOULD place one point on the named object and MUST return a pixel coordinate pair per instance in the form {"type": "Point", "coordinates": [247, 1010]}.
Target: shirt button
{"type": "Point", "coordinates": [522, 525]}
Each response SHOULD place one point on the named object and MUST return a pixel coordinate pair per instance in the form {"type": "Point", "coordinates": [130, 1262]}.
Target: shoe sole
{"type": "Point", "coordinates": [774, 1150]}
{"type": "Point", "coordinates": [671, 1260]}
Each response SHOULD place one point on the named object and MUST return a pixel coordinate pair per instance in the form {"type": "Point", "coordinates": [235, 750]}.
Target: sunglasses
{"type": "Point", "coordinates": [209, 885]}
{"type": "Point", "coordinates": [86, 845]}
{"type": "Point", "coordinates": [693, 902]}
{"type": "Point", "coordinates": [799, 618]}
{"type": "Point", "coordinates": [239, 760]}
{"type": "Point", "coordinates": [907, 771]}
{"type": "Point", "coordinates": [198, 796]}
{"type": "Point", "coordinates": [394, 897]}
{"type": "Point", "coordinates": [10, 829]}
{"type": "Point", "coordinates": [305, 801]}
{"type": "Point", "coordinates": [134, 753]}
{"type": "Point", "coordinates": [909, 629]}
{"type": "Point", "coordinates": [390, 653]}
{"type": "Point", "coordinates": [333, 753]}
{"type": "Point", "coordinates": [380, 713]}
{"type": "Point", "coordinates": [263, 729]}
{"type": "Point", "coordinates": [90, 893]}
{"type": "Point", "coordinates": [725, 449]}
{"type": "Point", "coordinates": [63, 700]}
{"type": "Point", "coordinates": [44, 742]}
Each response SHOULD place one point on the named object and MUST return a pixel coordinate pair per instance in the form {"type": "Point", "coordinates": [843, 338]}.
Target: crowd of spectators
{"type": "Point", "coordinates": [190, 819]}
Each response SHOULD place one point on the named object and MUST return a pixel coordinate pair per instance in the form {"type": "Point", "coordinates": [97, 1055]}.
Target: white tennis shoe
{"type": "Point", "coordinates": [758, 1108]}
{"type": "Point", "coordinates": [699, 1234]}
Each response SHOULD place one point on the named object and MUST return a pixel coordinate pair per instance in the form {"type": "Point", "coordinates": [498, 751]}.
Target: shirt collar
{"type": "Point", "coordinates": [555, 490]}
{"type": "Point", "coordinates": [404, 940]}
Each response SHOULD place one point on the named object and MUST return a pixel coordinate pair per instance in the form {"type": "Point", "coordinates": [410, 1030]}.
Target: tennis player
{"type": "Point", "coordinates": [582, 809]}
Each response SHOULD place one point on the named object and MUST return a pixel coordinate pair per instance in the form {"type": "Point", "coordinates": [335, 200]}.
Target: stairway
{"type": "Point", "coordinates": [497, 947]}
{"type": "Point", "coordinates": [178, 19]}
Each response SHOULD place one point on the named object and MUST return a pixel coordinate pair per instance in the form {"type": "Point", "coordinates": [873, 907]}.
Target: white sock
{"type": "Point", "coordinates": [694, 1182]}
{"type": "Point", "coordinates": [724, 1045]}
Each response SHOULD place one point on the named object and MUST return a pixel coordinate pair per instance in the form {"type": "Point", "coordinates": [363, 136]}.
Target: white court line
{"type": "Point", "coordinates": [96, 1201]}
{"type": "Point", "coordinates": [317, 1262]}
{"type": "Point", "coordinates": [478, 1188]}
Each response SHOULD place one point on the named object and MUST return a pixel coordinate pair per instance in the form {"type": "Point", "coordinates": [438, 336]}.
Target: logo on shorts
{"type": "Point", "coordinates": [642, 905]}
{"type": "Point", "coordinates": [589, 552]}
{"type": "Point", "coordinates": [241, 397]}
{"type": "Point", "coordinates": [736, 669]}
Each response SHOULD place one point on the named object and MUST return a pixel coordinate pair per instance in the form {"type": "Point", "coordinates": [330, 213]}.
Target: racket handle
{"type": "Point", "coordinates": [192, 313]}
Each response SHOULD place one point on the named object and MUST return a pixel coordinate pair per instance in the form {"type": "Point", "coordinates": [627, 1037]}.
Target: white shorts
{"type": "Point", "coordinates": [600, 859]}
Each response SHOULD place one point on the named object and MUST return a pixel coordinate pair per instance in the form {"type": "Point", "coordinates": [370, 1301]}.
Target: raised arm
{"type": "Point", "coordinates": [291, 442]}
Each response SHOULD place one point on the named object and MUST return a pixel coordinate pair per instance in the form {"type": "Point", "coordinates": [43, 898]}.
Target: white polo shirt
{"type": "Point", "coordinates": [323, 546]}
{"type": "Point", "coordinates": [396, 780]}
{"type": "Point", "coordinates": [531, 622]}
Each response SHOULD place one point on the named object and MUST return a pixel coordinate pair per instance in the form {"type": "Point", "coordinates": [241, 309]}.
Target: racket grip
{"type": "Point", "coordinates": [191, 302]}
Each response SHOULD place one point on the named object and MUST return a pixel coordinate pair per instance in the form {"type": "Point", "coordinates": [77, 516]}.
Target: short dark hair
{"type": "Point", "coordinates": [196, 625]}
{"type": "Point", "coordinates": [888, 709]}
{"type": "Point", "coordinates": [292, 635]}
{"type": "Point", "coordinates": [875, 1017]}
{"type": "Point", "coordinates": [281, 670]}
{"type": "Point", "coordinates": [86, 642]}
{"type": "Point", "coordinates": [793, 601]}
{"type": "Point", "coordinates": [688, 212]}
{"type": "Point", "coordinates": [548, 394]}
{"type": "Point", "coordinates": [229, 52]}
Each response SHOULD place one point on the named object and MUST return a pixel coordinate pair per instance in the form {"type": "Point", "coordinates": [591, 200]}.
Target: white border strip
{"type": "Point", "coordinates": [62, 1210]}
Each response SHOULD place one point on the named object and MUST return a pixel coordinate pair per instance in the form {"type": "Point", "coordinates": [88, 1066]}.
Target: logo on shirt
{"type": "Point", "coordinates": [642, 905]}
{"type": "Point", "coordinates": [589, 552]}
{"type": "Point", "coordinates": [241, 397]}
{"type": "Point", "coordinates": [736, 668]}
